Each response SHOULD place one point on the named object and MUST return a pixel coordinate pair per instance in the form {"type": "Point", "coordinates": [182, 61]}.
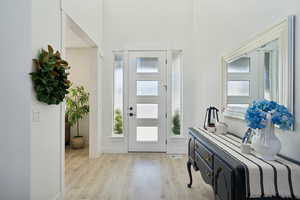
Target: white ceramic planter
{"type": "Point", "coordinates": [265, 143]}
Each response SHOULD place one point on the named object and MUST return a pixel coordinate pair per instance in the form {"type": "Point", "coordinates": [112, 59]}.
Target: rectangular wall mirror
{"type": "Point", "coordinates": [263, 68]}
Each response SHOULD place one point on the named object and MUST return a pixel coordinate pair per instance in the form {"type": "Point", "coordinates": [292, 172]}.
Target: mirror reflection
{"type": "Point", "coordinates": [256, 72]}
{"type": "Point", "coordinates": [270, 64]}
{"type": "Point", "coordinates": [263, 68]}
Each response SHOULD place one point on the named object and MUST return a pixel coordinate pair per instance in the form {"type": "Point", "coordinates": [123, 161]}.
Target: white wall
{"type": "Point", "coordinates": [15, 106]}
{"type": "Point", "coordinates": [46, 138]}
{"type": "Point", "coordinates": [30, 166]}
{"type": "Point", "coordinates": [47, 174]}
{"type": "Point", "coordinates": [221, 26]}
{"type": "Point", "coordinates": [82, 62]}
{"type": "Point", "coordinates": [147, 24]}
{"type": "Point", "coordinates": [88, 15]}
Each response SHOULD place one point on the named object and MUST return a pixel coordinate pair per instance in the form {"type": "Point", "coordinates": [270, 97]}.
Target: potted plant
{"type": "Point", "coordinates": [176, 123]}
{"type": "Point", "coordinates": [264, 115]}
{"type": "Point", "coordinates": [77, 108]}
{"type": "Point", "coordinates": [118, 128]}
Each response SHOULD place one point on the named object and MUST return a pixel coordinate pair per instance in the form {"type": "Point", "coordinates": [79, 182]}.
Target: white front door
{"type": "Point", "coordinates": [147, 101]}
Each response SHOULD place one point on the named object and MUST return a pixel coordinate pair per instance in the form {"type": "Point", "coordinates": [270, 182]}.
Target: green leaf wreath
{"type": "Point", "coordinates": [51, 77]}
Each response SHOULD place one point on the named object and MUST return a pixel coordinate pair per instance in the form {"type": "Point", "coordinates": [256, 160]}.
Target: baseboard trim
{"type": "Point", "coordinates": [174, 146]}
{"type": "Point", "coordinates": [177, 147]}
{"type": "Point", "coordinates": [59, 196]}
{"type": "Point", "coordinates": [113, 150]}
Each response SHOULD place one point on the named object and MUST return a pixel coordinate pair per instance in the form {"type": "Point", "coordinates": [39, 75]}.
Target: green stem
{"type": "Point", "coordinates": [78, 128]}
{"type": "Point", "coordinates": [76, 105]}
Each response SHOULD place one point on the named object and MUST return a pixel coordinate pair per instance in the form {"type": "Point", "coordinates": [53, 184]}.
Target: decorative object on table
{"type": "Point", "coordinates": [245, 148]}
{"type": "Point", "coordinates": [221, 128]}
{"type": "Point", "coordinates": [247, 137]}
{"type": "Point", "coordinates": [50, 80]}
{"type": "Point", "coordinates": [246, 140]}
{"type": "Point", "coordinates": [211, 118]}
{"type": "Point", "coordinates": [77, 108]}
{"type": "Point", "coordinates": [263, 115]}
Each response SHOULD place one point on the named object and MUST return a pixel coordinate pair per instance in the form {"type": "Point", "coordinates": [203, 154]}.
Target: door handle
{"type": "Point", "coordinates": [131, 114]}
{"type": "Point", "coordinates": [165, 86]}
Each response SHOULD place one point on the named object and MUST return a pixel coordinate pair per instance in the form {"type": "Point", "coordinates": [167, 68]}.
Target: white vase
{"type": "Point", "coordinates": [265, 143]}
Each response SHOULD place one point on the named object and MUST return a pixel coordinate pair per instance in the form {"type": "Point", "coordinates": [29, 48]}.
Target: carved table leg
{"type": "Point", "coordinates": [189, 165]}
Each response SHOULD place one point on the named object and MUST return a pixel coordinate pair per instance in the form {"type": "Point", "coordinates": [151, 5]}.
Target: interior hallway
{"type": "Point", "coordinates": [133, 176]}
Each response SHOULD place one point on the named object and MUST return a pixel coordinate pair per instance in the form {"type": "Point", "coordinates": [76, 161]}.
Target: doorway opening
{"type": "Point", "coordinates": [82, 54]}
{"type": "Point", "coordinates": [147, 98]}
{"type": "Point", "coordinates": [85, 74]}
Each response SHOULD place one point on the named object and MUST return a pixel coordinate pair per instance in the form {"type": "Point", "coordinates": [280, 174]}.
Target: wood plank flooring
{"type": "Point", "coordinates": [133, 176]}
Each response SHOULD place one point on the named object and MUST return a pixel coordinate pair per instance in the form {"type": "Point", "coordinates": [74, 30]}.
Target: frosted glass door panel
{"type": "Point", "coordinates": [176, 94]}
{"type": "Point", "coordinates": [147, 111]}
{"type": "Point", "coordinates": [238, 88]}
{"type": "Point", "coordinates": [146, 134]}
{"type": "Point", "coordinates": [147, 65]}
{"type": "Point", "coordinates": [118, 95]}
{"type": "Point", "coordinates": [238, 107]}
{"type": "Point", "coordinates": [241, 65]}
{"type": "Point", "coordinates": [147, 88]}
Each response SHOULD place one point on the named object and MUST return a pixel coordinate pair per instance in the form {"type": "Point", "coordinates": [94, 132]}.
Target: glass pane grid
{"type": "Point", "coordinates": [176, 95]}
{"type": "Point", "coordinates": [118, 95]}
{"type": "Point", "coordinates": [238, 88]}
{"type": "Point", "coordinates": [147, 111]}
{"type": "Point", "coordinates": [147, 134]}
{"type": "Point", "coordinates": [241, 65]}
{"type": "Point", "coordinates": [238, 107]}
{"type": "Point", "coordinates": [147, 88]}
{"type": "Point", "coordinates": [147, 65]}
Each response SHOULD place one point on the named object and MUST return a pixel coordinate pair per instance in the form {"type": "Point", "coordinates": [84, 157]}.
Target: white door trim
{"type": "Point", "coordinates": [62, 110]}
{"type": "Point", "coordinates": [132, 100]}
{"type": "Point", "coordinates": [175, 144]}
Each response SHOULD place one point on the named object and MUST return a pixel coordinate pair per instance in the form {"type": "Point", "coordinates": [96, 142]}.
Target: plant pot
{"type": "Point", "coordinates": [77, 142]}
{"type": "Point", "coordinates": [265, 143]}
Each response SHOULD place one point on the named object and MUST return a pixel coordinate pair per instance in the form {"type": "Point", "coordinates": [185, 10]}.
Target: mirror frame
{"type": "Point", "coordinates": [285, 33]}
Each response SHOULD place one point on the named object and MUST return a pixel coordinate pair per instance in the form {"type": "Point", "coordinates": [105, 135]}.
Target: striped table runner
{"type": "Point", "coordinates": [279, 178]}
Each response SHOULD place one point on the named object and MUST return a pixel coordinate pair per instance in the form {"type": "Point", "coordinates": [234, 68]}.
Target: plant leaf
{"type": "Point", "coordinates": [50, 49]}
{"type": "Point", "coordinates": [57, 54]}
{"type": "Point", "coordinates": [51, 80]}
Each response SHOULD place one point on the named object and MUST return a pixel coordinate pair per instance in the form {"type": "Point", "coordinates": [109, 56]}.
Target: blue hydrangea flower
{"type": "Point", "coordinates": [256, 118]}
{"type": "Point", "coordinates": [283, 118]}
{"type": "Point", "coordinates": [256, 115]}
{"type": "Point", "coordinates": [265, 105]}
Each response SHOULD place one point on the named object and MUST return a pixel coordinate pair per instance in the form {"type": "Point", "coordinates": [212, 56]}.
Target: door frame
{"type": "Point", "coordinates": [163, 100]}
{"type": "Point", "coordinates": [95, 118]}
{"type": "Point", "coordinates": [175, 144]}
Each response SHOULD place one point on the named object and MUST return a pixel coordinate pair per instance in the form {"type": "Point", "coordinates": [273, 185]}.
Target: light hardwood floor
{"type": "Point", "coordinates": [133, 176]}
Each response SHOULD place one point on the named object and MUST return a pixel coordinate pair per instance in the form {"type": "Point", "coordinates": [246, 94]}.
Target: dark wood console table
{"type": "Point", "coordinates": [218, 169]}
